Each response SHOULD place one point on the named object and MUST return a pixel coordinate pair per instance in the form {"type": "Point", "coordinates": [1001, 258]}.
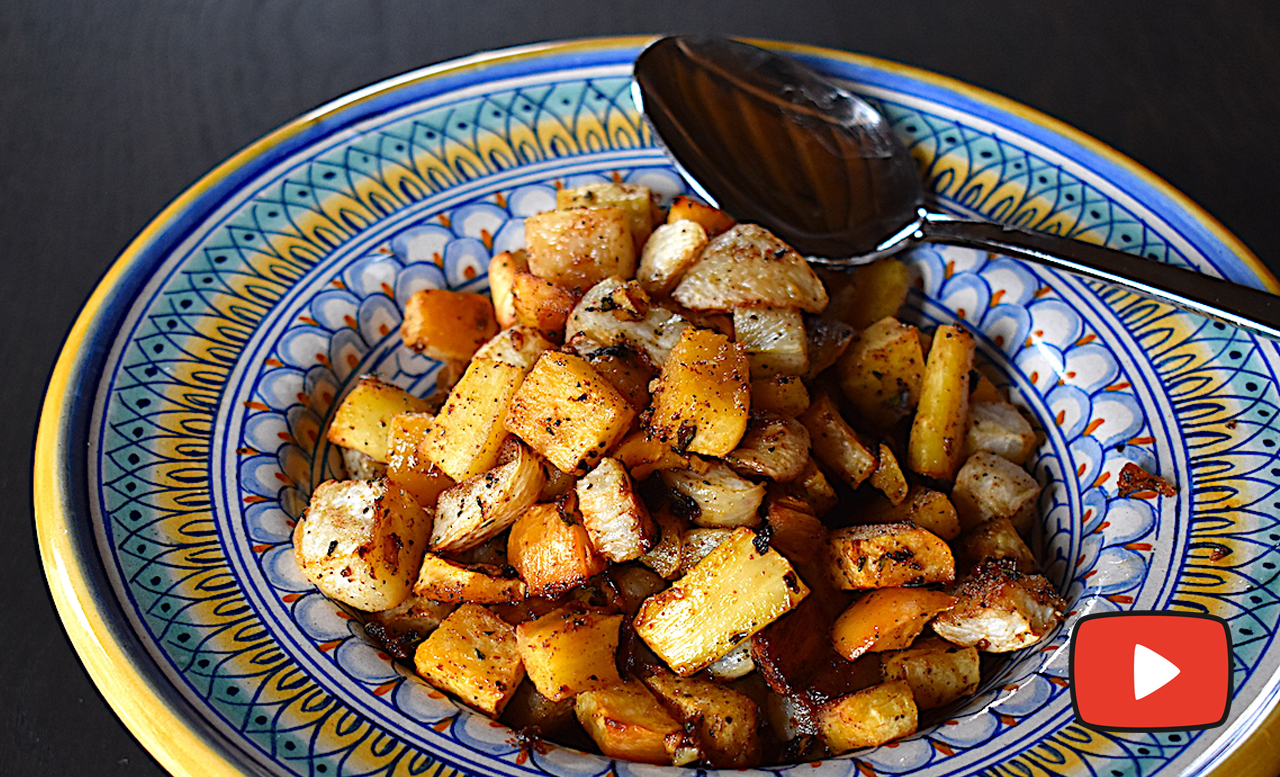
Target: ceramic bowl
{"type": "Point", "coordinates": [183, 427]}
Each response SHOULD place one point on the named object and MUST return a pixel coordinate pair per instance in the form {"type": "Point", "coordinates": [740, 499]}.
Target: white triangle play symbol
{"type": "Point", "coordinates": [1151, 671]}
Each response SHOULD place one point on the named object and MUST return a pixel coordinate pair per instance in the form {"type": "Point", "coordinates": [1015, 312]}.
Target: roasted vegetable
{"type": "Point", "coordinates": [999, 609]}
{"type": "Point", "coordinates": [701, 400]}
{"type": "Point", "coordinates": [484, 506]}
{"type": "Point", "coordinates": [937, 433]}
{"type": "Point", "coordinates": [627, 722]}
{"type": "Point", "coordinates": [363, 419]}
{"type": "Point", "coordinates": [613, 514]}
{"type": "Point", "coordinates": [885, 555]}
{"type": "Point", "coordinates": [749, 266]}
{"type": "Point", "coordinates": [579, 247]}
{"type": "Point", "coordinates": [870, 717]}
{"type": "Point", "coordinates": [447, 325]}
{"type": "Point", "coordinates": [473, 655]}
{"type": "Point", "coordinates": [570, 650]}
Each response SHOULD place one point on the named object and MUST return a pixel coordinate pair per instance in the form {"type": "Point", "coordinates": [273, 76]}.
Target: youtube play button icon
{"type": "Point", "coordinates": [1150, 671]}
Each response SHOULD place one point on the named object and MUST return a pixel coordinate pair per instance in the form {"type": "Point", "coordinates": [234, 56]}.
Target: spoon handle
{"type": "Point", "coordinates": [1247, 308]}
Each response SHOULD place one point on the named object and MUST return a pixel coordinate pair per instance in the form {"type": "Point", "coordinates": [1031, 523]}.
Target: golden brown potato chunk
{"type": "Point", "coordinates": [570, 650]}
{"type": "Point", "coordinates": [879, 714]}
{"type": "Point", "coordinates": [447, 325]}
{"type": "Point", "coordinates": [473, 655]}
{"type": "Point", "coordinates": [363, 419]}
{"type": "Point", "coordinates": [702, 398]}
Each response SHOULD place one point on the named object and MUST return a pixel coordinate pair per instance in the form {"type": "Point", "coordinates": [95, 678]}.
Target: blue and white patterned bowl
{"type": "Point", "coordinates": [182, 431]}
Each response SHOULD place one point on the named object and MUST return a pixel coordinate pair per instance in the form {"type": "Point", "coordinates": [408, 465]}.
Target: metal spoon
{"type": "Point", "coordinates": [775, 143]}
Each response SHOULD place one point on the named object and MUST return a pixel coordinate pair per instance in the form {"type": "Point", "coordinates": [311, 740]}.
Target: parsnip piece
{"type": "Point", "coordinates": [998, 427]}
{"type": "Point", "coordinates": [360, 542]}
{"type": "Point", "coordinates": [713, 220]}
{"type": "Point", "coordinates": [937, 671]}
{"type": "Point", "coordinates": [774, 447]}
{"type": "Point", "coordinates": [551, 554]}
{"type": "Point", "coordinates": [879, 714]}
{"type": "Point", "coordinates": [936, 447]}
{"type": "Point", "coordinates": [541, 304]}
{"type": "Point", "coordinates": [990, 486]}
{"type": "Point", "coordinates": [579, 247]}
{"type": "Point", "coordinates": [730, 595]}
{"type": "Point", "coordinates": [993, 539]}
{"type": "Point", "coordinates": [636, 202]}
{"type": "Point", "coordinates": [716, 498]}
{"type": "Point", "coordinates": [568, 413]}
{"type": "Point", "coordinates": [783, 394]}
{"type": "Point", "coordinates": [881, 370]}
{"type": "Point", "coordinates": [628, 723]}
{"type": "Point", "coordinates": [724, 720]}
{"type": "Point", "coordinates": [570, 650]}
{"type": "Point", "coordinates": [473, 655]}
{"type": "Point", "coordinates": [615, 518]}
{"type": "Point", "coordinates": [405, 465]}
{"type": "Point", "coordinates": [775, 340]}
{"type": "Point", "coordinates": [886, 619]}
{"type": "Point", "coordinates": [518, 345]}
{"type": "Point", "coordinates": [999, 609]}
{"type": "Point", "coordinates": [469, 430]}
{"type": "Point", "coordinates": [596, 318]}
{"type": "Point", "coordinates": [835, 443]}
{"type": "Point", "coordinates": [482, 507]}
{"type": "Point", "coordinates": [364, 416]}
{"type": "Point", "coordinates": [924, 507]}
{"type": "Point", "coordinates": [887, 556]}
{"type": "Point", "coordinates": [749, 266]}
{"type": "Point", "coordinates": [447, 325]}
{"type": "Point", "coordinates": [888, 476]}
{"type": "Point", "coordinates": [672, 249]}
{"type": "Point", "coordinates": [442, 580]}
{"type": "Point", "coordinates": [702, 399]}
{"type": "Point", "coordinates": [502, 273]}
{"type": "Point", "coordinates": [665, 556]}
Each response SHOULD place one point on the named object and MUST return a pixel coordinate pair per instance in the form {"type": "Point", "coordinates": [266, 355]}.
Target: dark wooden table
{"type": "Point", "coordinates": [109, 110]}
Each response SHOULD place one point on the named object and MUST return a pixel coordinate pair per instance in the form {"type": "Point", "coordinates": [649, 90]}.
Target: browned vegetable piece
{"type": "Point", "coordinates": [615, 518]}
{"type": "Point", "coordinates": [999, 609]}
{"type": "Point", "coordinates": [696, 544]}
{"type": "Point", "coordinates": [541, 304]}
{"type": "Point", "coordinates": [502, 273]}
{"type": "Point", "coordinates": [716, 497]}
{"type": "Point", "coordinates": [627, 722]}
{"type": "Point", "coordinates": [828, 339]}
{"type": "Point", "coordinates": [886, 619]}
{"type": "Point", "coordinates": [468, 432]}
{"type": "Point", "coordinates": [879, 714]}
{"type": "Point", "coordinates": [998, 427]}
{"type": "Point", "coordinates": [796, 534]}
{"type": "Point", "coordinates": [672, 249]}
{"type": "Point", "coordinates": [782, 394]}
{"type": "Point", "coordinates": [990, 486]}
{"type": "Point", "coordinates": [936, 447]}
{"type": "Point", "coordinates": [723, 720]}
{"type": "Point", "coordinates": [534, 715]}
{"type": "Point", "coordinates": [570, 650]}
{"type": "Point", "coordinates": [888, 555]}
{"type": "Point", "coordinates": [636, 203]}
{"type": "Point", "coordinates": [567, 412]}
{"type": "Point", "coordinates": [625, 370]}
{"type": "Point", "coordinates": [482, 507]}
{"type": "Point", "coordinates": [774, 339]}
{"type": "Point", "coordinates": [615, 312]}
{"type": "Point", "coordinates": [880, 372]}
{"type": "Point", "coordinates": [643, 456]}
{"type": "Point", "coordinates": [774, 447]}
{"type": "Point", "coordinates": [702, 399]}
{"type": "Point", "coordinates": [835, 443]}
{"type": "Point", "coordinates": [713, 220]}
{"type": "Point", "coordinates": [923, 506]}
{"type": "Point", "coordinates": [551, 552]}
{"type": "Point", "coordinates": [888, 476]}
{"type": "Point", "coordinates": [750, 267]}
{"type": "Point", "coordinates": [878, 290]}
{"type": "Point", "coordinates": [993, 539]}
{"type": "Point", "coordinates": [447, 325]}
{"type": "Point", "coordinates": [473, 655]}
{"type": "Point", "coordinates": [937, 671]}
{"type": "Point", "coordinates": [442, 580]}
{"type": "Point", "coordinates": [363, 419]}
{"type": "Point", "coordinates": [813, 485]}
{"type": "Point", "coordinates": [579, 247]}
{"type": "Point", "coordinates": [664, 557]}
{"type": "Point", "coordinates": [406, 467]}
{"type": "Point", "coordinates": [399, 630]}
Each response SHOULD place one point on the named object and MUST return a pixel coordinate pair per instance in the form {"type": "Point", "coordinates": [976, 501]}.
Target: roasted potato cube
{"type": "Point", "coordinates": [447, 325]}
{"type": "Point", "coordinates": [519, 345]}
{"type": "Point", "coordinates": [713, 220]}
{"type": "Point", "coordinates": [881, 370]}
{"type": "Point", "coordinates": [886, 619]}
{"type": "Point", "coordinates": [998, 427]}
{"type": "Point", "coordinates": [996, 538]}
{"type": "Point", "coordinates": [570, 650]}
{"type": "Point", "coordinates": [628, 723]}
{"type": "Point", "coordinates": [579, 247]}
{"type": "Point", "coordinates": [937, 671]}
{"type": "Point", "coordinates": [775, 447]}
{"type": "Point", "coordinates": [473, 655]}
{"type": "Point", "coordinates": [887, 555]}
{"type": "Point", "coordinates": [362, 420]}
{"type": "Point", "coordinates": [924, 507]}
{"type": "Point", "coordinates": [665, 556]}
{"type": "Point", "coordinates": [828, 338]}
{"type": "Point", "coordinates": [405, 465]}
{"type": "Point", "coordinates": [936, 446]}
{"type": "Point", "coordinates": [696, 544]}
{"type": "Point", "coordinates": [750, 267]}
{"type": "Point", "coordinates": [835, 443]}
{"type": "Point", "coordinates": [702, 398]}
{"type": "Point", "coordinates": [551, 554]}
{"type": "Point", "coordinates": [990, 486]}
{"type": "Point", "coordinates": [482, 507]}
{"type": "Point", "coordinates": [502, 274]}
{"type": "Point", "coordinates": [636, 203]}
{"type": "Point", "coordinates": [999, 609]}
{"type": "Point", "coordinates": [715, 498]}
{"type": "Point", "coordinates": [888, 476]}
{"type": "Point", "coordinates": [442, 580]}
{"type": "Point", "coordinates": [469, 431]}
{"type": "Point", "coordinates": [541, 304]}
{"type": "Point", "coordinates": [672, 249]}
{"type": "Point", "coordinates": [871, 717]}
{"type": "Point", "coordinates": [360, 542]}
{"type": "Point", "coordinates": [731, 594]}
{"type": "Point", "coordinates": [775, 340]}
{"type": "Point", "coordinates": [723, 720]}
{"type": "Point", "coordinates": [615, 518]}
{"type": "Point", "coordinates": [399, 630]}
{"type": "Point", "coordinates": [568, 413]}
{"type": "Point", "coordinates": [782, 394]}
{"type": "Point", "coordinates": [606, 316]}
